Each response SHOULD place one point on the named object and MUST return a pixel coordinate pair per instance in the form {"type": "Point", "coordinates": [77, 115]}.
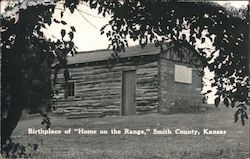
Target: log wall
{"type": "Point", "coordinates": [98, 88]}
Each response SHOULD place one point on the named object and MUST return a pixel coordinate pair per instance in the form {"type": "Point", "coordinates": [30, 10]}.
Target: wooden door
{"type": "Point", "coordinates": [128, 92]}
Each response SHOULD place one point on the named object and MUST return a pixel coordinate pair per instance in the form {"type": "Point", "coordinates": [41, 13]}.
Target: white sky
{"type": "Point", "coordinates": [88, 37]}
{"type": "Point", "coordinates": [236, 3]}
{"type": "Point", "coordinates": [88, 24]}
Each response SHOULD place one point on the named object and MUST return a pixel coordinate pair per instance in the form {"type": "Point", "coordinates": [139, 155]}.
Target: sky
{"type": "Point", "coordinates": [87, 31]}
{"type": "Point", "coordinates": [235, 3]}
{"type": "Point", "coordinates": [88, 24]}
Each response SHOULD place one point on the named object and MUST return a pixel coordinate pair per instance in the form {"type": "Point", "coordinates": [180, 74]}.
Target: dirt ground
{"type": "Point", "coordinates": [232, 145]}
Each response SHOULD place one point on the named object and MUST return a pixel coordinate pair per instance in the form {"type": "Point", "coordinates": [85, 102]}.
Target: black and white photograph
{"type": "Point", "coordinates": [125, 79]}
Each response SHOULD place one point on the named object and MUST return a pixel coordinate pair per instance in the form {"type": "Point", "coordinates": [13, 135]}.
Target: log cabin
{"type": "Point", "coordinates": [142, 80]}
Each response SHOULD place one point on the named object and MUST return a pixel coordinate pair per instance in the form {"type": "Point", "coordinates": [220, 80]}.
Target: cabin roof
{"type": "Point", "coordinates": [101, 55]}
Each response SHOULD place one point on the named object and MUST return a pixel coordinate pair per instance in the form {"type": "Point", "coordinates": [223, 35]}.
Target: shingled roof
{"type": "Point", "coordinates": [101, 55]}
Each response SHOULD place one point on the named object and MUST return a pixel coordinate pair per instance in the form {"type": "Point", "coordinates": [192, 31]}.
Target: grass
{"type": "Point", "coordinates": [233, 145]}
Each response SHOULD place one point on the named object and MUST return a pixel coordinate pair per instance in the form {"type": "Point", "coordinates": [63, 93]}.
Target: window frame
{"type": "Point", "coordinates": [70, 89]}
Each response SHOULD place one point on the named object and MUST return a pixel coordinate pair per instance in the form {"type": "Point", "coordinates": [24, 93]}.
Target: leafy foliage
{"type": "Point", "coordinates": [160, 22]}
{"type": "Point", "coordinates": [26, 49]}
{"type": "Point", "coordinates": [27, 57]}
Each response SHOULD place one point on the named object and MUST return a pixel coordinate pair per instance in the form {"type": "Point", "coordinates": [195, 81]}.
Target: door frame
{"type": "Point", "coordinates": [122, 85]}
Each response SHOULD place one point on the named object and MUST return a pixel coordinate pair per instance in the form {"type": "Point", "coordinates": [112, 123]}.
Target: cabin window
{"type": "Point", "coordinates": [70, 89]}
{"type": "Point", "coordinates": [183, 74]}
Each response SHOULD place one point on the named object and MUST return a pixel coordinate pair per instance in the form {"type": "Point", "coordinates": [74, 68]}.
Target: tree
{"type": "Point", "coordinates": [27, 57]}
{"type": "Point", "coordinates": [25, 51]}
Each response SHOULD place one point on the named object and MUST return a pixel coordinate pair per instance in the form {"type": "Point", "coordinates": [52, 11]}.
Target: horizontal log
{"type": "Point", "coordinates": [98, 89]}
{"type": "Point", "coordinates": [148, 65]}
{"type": "Point", "coordinates": [111, 98]}
{"type": "Point", "coordinates": [147, 80]}
{"type": "Point", "coordinates": [85, 113]}
{"type": "Point", "coordinates": [108, 83]}
{"type": "Point", "coordinates": [91, 114]}
{"type": "Point", "coordinates": [85, 109]}
{"type": "Point", "coordinates": [79, 116]}
{"type": "Point", "coordinates": [75, 108]}
{"type": "Point", "coordinates": [152, 75]}
{"type": "Point", "coordinates": [85, 68]}
{"type": "Point", "coordinates": [98, 81]}
{"type": "Point", "coordinates": [154, 96]}
{"type": "Point", "coordinates": [147, 71]}
{"type": "Point", "coordinates": [91, 77]}
{"type": "Point", "coordinates": [146, 91]}
{"type": "Point", "coordinates": [146, 102]}
{"type": "Point", "coordinates": [89, 105]}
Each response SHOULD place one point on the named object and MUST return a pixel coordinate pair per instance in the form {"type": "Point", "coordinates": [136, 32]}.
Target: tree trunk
{"type": "Point", "coordinates": [17, 90]}
{"type": "Point", "coordinates": [9, 124]}
{"type": "Point", "coordinates": [16, 106]}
